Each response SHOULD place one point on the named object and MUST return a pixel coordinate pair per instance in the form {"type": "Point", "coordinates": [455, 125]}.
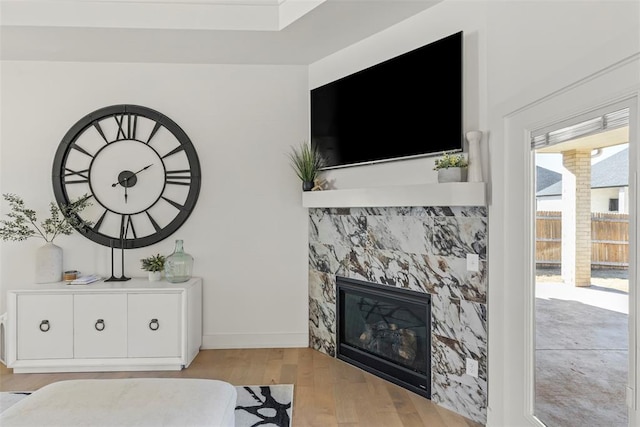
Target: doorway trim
{"type": "Point", "coordinates": [618, 83]}
{"type": "Point", "coordinates": [559, 124]}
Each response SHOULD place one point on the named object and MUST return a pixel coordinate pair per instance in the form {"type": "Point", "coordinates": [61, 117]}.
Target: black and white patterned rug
{"type": "Point", "coordinates": [269, 406]}
{"type": "Point", "coordinates": [264, 405]}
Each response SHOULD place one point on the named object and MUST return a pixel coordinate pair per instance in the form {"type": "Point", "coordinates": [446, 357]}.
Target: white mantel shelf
{"type": "Point", "coordinates": [445, 194]}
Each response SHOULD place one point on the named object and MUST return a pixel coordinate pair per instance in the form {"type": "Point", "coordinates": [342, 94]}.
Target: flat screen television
{"type": "Point", "coordinates": [405, 107]}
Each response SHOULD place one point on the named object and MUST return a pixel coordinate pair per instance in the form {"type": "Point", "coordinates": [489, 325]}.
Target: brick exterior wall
{"type": "Point", "coordinates": [576, 217]}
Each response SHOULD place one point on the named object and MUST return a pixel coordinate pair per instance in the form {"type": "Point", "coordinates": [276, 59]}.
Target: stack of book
{"type": "Point", "coordinates": [85, 280]}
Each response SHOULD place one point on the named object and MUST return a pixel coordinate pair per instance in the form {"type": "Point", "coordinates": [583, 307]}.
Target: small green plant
{"type": "Point", "coordinates": [306, 161]}
{"type": "Point", "coordinates": [153, 263]}
{"type": "Point", "coordinates": [23, 222]}
{"type": "Point", "coordinates": [449, 160]}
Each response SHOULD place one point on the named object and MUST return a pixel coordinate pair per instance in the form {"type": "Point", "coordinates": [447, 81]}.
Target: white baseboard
{"type": "Point", "coordinates": [283, 340]}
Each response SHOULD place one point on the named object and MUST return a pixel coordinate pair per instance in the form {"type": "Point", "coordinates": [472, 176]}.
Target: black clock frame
{"type": "Point", "coordinates": [66, 145]}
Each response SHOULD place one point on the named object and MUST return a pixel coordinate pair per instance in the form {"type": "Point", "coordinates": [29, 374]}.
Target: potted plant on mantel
{"type": "Point", "coordinates": [306, 162]}
{"type": "Point", "coordinates": [451, 168]}
{"type": "Point", "coordinates": [154, 265]}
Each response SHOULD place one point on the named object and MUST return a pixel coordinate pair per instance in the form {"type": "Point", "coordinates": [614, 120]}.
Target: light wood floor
{"type": "Point", "coordinates": [327, 391]}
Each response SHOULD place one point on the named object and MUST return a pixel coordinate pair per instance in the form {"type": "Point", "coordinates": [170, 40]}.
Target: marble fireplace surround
{"type": "Point", "coordinates": [415, 245]}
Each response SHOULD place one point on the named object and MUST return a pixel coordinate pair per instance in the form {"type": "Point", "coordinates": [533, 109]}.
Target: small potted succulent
{"type": "Point", "coordinates": [154, 265]}
{"type": "Point", "coordinates": [451, 167]}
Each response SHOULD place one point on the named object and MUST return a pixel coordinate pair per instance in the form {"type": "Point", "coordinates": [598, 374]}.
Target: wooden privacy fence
{"type": "Point", "coordinates": [609, 239]}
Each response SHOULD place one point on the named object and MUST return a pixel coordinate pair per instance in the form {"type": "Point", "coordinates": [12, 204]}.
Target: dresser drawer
{"type": "Point", "coordinates": [100, 325]}
{"type": "Point", "coordinates": [45, 326]}
{"type": "Point", "coordinates": [154, 325]}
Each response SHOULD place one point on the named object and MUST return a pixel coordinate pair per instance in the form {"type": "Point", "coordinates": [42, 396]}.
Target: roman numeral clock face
{"type": "Point", "coordinates": [139, 169]}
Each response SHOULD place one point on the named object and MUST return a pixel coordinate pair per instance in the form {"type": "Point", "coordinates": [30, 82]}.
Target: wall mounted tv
{"type": "Point", "coordinates": [407, 106]}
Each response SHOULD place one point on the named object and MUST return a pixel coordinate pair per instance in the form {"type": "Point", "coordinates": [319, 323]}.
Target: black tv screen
{"type": "Point", "coordinates": [407, 106]}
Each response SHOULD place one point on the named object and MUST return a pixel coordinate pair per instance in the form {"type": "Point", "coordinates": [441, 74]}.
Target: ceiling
{"type": "Point", "coordinates": [297, 32]}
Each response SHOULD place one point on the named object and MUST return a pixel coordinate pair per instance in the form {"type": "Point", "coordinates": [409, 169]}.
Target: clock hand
{"type": "Point", "coordinates": [134, 174]}
{"type": "Point", "coordinates": [125, 189]}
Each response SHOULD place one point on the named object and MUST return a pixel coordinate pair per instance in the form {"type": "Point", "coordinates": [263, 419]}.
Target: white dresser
{"type": "Point", "coordinates": [104, 326]}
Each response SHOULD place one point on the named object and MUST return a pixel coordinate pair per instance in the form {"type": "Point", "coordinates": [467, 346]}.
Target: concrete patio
{"type": "Point", "coordinates": [582, 351]}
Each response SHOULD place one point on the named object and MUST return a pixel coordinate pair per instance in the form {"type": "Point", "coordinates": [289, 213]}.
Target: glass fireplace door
{"type": "Point", "coordinates": [386, 331]}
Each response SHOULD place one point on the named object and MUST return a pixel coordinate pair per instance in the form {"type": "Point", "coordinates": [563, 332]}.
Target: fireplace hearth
{"type": "Point", "coordinates": [386, 331]}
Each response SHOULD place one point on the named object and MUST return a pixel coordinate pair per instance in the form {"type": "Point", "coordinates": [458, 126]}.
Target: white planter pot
{"type": "Point", "coordinates": [155, 276]}
{"type": "Point", "coordinates": [452, 175]}
{"type": "Point", "coordinates": [48, 263]}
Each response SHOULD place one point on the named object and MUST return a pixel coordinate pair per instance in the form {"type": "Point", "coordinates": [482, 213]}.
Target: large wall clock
{"type": "Point", "coordinates": [139, 169]}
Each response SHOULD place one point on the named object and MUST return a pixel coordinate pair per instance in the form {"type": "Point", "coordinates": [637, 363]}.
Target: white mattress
{"type": "Point", "coordinates": [127, 402]}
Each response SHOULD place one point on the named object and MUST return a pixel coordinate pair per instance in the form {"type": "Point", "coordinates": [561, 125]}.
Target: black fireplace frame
{"type": "Point", "coordinates": [395, 373]}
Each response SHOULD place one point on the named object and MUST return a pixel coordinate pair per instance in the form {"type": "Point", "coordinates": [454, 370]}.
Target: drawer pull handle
{"type": "Point", "coordinates": [99, 325]}
{"type": "Point", "coordinates": [45, 326]}
{"type": "Point", "coordinates": [154, 325]}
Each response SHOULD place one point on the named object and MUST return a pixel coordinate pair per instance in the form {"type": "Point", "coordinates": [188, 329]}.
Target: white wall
{"type": "Point", "coordinates": [599, 200]}
{"type": "Point", "coordinates": [515, 53]}
{"type": "Point", "coordinates": [248, 232]}
{"type": "Point", "coordinates": [549, 203]}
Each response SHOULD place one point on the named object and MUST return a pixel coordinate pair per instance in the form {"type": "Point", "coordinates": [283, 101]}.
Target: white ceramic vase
{"type": "Point", "coordinates": [48, 263]}
{"type": "Point", "coordinates": [474, 174]}
{"type": "Point", "coordinates": [155, 276]}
